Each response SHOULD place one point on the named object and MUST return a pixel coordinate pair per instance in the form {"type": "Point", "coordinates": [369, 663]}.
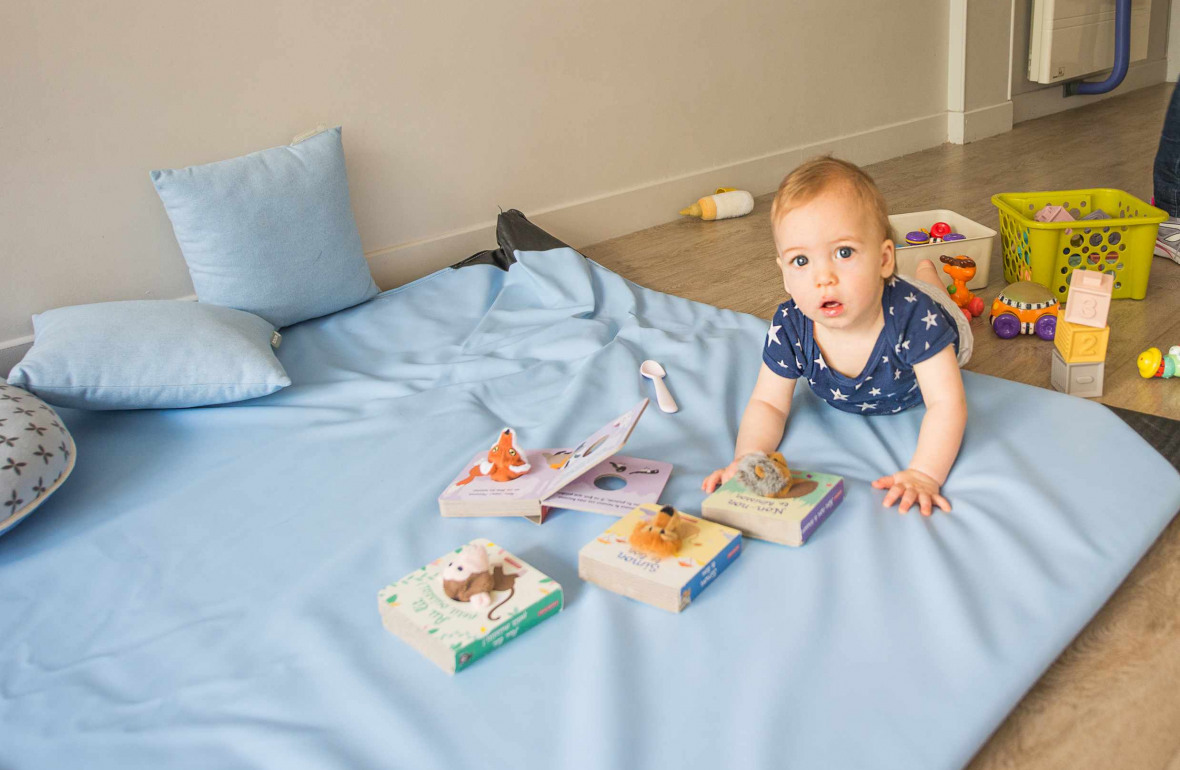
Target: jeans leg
{"type": "Point", "coordinates": [1166, 172]}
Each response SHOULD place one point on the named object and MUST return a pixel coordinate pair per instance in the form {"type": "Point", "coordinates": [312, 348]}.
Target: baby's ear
{"type": "Point", "coordinates": [888, 258]}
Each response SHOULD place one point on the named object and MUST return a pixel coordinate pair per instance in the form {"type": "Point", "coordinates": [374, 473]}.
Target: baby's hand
{"type": "Point", "coordinates": [719, 477]}
{"type": "Point", "coordinates": [912, 486]}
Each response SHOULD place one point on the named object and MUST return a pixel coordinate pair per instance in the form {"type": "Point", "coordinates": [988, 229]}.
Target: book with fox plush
{"type": "Point", "coordinates": [508, 480]}
{"type": "Point", "coordinates": [468, 602]}
{"type": "Point", "coordinates": [639, 558]}
{"type": "Point", "coordinates": [790, 518]}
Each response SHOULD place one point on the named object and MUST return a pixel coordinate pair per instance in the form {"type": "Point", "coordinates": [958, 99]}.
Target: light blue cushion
{"type": "Point", "coordinates": [149, 354]}
{"type": "Point", "coordinates": [271, 233]}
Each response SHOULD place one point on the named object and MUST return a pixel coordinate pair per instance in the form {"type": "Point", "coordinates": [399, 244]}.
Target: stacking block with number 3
{"type": "Point", "coordinates": [1081, 344]}
{"type": "Point", "coordinates": [1089, 298]}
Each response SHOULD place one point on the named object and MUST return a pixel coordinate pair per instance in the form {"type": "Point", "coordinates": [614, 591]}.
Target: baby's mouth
{"type": "Point", "coordinates": [831, 308]}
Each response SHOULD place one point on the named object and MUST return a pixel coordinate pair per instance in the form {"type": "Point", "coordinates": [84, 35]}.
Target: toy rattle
{"type": "Point", "coordinates": [962, 269]}
{"type": "Point", "coordinates": [1152, 363]}
{"type": "Point", "coordinates": [658, 536]}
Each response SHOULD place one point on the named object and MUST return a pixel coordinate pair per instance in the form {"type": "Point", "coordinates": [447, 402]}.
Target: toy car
{"type": "Point", "coordinates": [1024, 307]}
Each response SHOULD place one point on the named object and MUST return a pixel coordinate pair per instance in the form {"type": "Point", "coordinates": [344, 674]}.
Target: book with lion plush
{"type": "Point", "coordinates": [468, 602]}
{"type": "Point", "coordinates": [668, 577]}
{"type": "Point", "coordinates": [508, 480]}
{"type": "Point", "coordinates": [789, 520]}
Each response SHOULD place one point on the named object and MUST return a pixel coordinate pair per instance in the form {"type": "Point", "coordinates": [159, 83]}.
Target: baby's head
{"type": "Point", "coordinates": [834, 243]}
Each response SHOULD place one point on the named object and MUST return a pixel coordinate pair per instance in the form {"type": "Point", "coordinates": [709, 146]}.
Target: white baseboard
{"type": "Point", "coordinates": [964, 127]}
{"type": "Point", "coordinates": [584, 222]}
{"type": "Point", "coordinates": [588, 221]}
{"type": "Point", "coordinates": [1048, 100]}
{"type": "Point", "coordinates": [11, 352]}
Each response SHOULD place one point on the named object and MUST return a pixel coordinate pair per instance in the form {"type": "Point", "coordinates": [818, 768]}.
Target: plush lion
{"type": "Point", "coordinates": [660, 535]}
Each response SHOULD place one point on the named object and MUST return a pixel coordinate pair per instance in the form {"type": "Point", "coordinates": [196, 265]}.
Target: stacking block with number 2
{"type": "Point", "coordinates": [1081, 344]}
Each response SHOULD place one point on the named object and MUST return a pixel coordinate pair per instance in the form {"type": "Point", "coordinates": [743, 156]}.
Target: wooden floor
{"type": "Point", "coordinates": [1112, 700]}
{"type": "Point", "coordinates": [1110, 144]}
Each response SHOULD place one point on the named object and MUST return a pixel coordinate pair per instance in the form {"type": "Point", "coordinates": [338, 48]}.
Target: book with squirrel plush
{"type": "Point", "coordinates": [627, 558]}
{"type": "Point", "coordinates": [508, 480]}
{"type": "Point", "coordinates": [468, 602]}
{"type": "Point", "coordinates": [790, 520]}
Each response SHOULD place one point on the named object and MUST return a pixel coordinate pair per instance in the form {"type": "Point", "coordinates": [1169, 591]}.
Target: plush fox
{"type": "Point", "coordinates": [505, 461]}
{"type": "Point", "coordinates": [660, 535]}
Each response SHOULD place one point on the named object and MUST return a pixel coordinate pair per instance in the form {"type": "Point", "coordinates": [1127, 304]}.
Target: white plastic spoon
{"type": "Point", "coordinates": [654, 372]}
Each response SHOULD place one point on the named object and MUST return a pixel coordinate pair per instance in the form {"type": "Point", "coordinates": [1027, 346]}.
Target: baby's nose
{"type": "Point", "coordinates": [825, 277]}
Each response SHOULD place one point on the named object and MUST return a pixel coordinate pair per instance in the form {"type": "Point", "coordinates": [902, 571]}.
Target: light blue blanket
{"type": "Point", "coordinates": [202, 592]}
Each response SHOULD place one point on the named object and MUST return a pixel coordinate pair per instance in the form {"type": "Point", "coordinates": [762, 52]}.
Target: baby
{"type": "Point", "coordinates": [867, 340]}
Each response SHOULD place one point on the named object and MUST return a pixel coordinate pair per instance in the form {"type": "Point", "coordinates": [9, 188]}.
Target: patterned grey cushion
{"type": "Point", "coordinates": [36, 454]}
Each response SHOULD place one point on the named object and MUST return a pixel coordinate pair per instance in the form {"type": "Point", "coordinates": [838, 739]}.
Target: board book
{"type": "Point", "coordinates": [790, 521]}
{"type": "Point", "coordinates": [670, 583]}
{"type": "Point", "coordinates": [454, 634]}
{"type": "Point", "coordinates": [585, 478]}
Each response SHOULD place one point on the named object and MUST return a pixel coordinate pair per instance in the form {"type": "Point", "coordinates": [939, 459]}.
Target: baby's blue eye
{"type": "Point", "coordinates": [844, 252]}
{"type": "Point", "coordinates": [799, 261]}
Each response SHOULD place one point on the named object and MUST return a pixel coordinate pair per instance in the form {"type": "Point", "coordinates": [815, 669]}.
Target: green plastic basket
{"type": "Point", "coordinates": [1047, 252]}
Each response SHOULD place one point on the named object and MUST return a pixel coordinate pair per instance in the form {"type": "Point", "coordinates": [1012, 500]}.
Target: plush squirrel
{"type": "Point", "coordinates": [765, 475]}
{"type": "Point", "coordinates": [468, 578]}
{"type": "Point", "coordinates": [660, 535]}
{"type": "Point", "coordinates": [505, 461]}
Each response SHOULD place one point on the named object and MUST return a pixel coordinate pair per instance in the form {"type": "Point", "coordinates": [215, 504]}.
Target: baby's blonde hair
{"type": "Point", "coordinates": [818, 175]}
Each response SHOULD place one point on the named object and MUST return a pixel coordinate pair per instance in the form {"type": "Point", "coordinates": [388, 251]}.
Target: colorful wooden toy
{"type": "Point", "coordinates": [1152, 363]}
{"type": "Point", "coordinates": [1077, 379]}
{"type": "Point", "coordinates": [1024, 307]}
{"type": "Point", "coordinates": [962, 269]}
{"type": "Point", "coordinates": [1088, 302]}
{"type": "Point", "coordinates": [917, 238]}
{"type": "Point", "coordinates": [1081, 344]}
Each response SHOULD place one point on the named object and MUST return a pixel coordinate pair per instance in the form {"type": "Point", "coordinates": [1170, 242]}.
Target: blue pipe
{"type": "Point", "coordinates": [1122, 55]}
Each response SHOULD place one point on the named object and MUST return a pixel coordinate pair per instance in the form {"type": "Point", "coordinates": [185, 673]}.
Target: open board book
{"type": "Point", "coordinates": [589, 477]}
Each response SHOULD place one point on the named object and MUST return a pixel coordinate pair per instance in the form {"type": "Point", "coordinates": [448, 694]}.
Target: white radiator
{"type": "Point", "coordinates": [1073, 38]}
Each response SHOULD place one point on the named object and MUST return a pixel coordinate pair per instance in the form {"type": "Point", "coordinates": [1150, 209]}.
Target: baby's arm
{"type": "Point", "coordinates": [762, 424]}
{"type": "Point", "coordinates": [938, 440]}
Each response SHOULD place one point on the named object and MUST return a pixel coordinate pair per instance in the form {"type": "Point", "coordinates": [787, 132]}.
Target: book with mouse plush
{"type": "Point", "coordinates": [468, 602]}
{"type": "Point", "coordinates": [508, 480]}
{"type": "Point", "coordinates": [660, 556]}
{"type": "Point", "coordinates": [760, 501]}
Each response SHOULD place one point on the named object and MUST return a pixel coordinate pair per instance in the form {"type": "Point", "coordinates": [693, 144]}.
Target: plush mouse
{"type": "Point", "coordinates": [765, 475]}
{"type": "Point", "coordinates": [659, 535]}
{"type": "Point", "coordinates": [467, 578]}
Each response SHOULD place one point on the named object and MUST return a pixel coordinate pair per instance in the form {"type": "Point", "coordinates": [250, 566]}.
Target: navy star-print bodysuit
{"type": "Point", "coordinates": [916, 328]}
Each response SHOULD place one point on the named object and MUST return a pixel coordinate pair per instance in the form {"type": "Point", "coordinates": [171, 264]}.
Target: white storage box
{"type": "Point", "coordinates": [977, 245]}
